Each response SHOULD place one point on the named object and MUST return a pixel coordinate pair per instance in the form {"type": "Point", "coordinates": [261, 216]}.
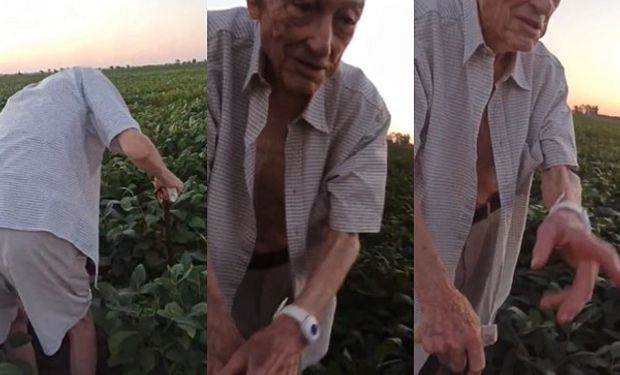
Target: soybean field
{"type": "Point", "coordinates": [530, 340]}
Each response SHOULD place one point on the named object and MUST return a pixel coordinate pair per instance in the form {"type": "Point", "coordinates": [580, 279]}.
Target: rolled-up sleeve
{"type": "Point", "coordinates": [356, 186]}
{"type": "Point", "coordinates": [557, 133]}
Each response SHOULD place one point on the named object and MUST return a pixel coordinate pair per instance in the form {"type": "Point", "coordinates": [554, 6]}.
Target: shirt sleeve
{"type": "Point", "coordinates": [212, 133]}
{"type": "Point", "coordinates": [557, 132]}
{"type": "Point", "coordinates": [421, 95]}
{"type": "Point", "coordinates": [107, 110]}
{"type": "Point", "coordinates": [356, 186]}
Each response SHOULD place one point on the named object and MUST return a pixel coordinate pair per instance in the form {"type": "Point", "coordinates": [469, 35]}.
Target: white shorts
{"type": "Point", "coordinates": [48, 275]}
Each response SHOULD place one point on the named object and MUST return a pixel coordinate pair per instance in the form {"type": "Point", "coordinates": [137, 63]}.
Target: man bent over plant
{"type": "Point", "coordinates": [53, 135]}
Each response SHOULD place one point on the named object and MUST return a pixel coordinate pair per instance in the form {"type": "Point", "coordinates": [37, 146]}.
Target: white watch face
{"type": "Point", "coordinates": [310, 328]}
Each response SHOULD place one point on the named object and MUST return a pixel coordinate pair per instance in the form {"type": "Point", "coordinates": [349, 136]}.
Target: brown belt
{"type": "Point", "coordinates": [482, 212]}
{"type": "Point", "coordinates": [265, 261]}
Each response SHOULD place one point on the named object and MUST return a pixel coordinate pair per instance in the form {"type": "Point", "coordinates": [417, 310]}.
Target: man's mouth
{"type": "Point", "coordinates": [534, 25]}
{"type": "Point", "coordinates": [310, 68]}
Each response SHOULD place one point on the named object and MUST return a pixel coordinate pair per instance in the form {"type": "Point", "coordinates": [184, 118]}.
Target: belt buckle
{"type": "Point", "coordinates": [489, 208]}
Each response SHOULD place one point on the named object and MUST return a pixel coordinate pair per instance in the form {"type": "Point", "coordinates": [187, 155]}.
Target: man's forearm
{"type": "Point", "coordinates": [150, 161]}
{"type": "Point", "coordinates": [142, 153]}
{"type": "Point", "coordinates": [560, 180]}
{"type": "Point", "coordinates": [338, 255]}
{"type": "Point", "coordinates": [214, 297]}
{"type": "Point", "coordinates": [429, 273]}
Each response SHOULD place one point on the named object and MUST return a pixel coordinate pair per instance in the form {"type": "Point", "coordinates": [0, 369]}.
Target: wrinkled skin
{"type": "Point", "coordinates": [515, 25]}
{"type": "Point", "coordinates": [304, 40]}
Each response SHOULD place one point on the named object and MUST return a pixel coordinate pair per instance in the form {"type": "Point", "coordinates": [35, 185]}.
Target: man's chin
{"type": "Point", "coordinates": [526, 45]}
{"type": "Point", "coordinates": [302, 86]}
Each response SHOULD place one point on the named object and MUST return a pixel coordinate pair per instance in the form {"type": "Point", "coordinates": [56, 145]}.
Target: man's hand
{"type": "Point", "coordinates": [223, 338]}
{"type": "Point", "coordinates": [167, 181]}
{"type": "Point", "coordinates": [583, 251]}
{"type": "Point", "coordinates": [451, 330]}
{"type": "Point", "coordinates": [274, 350]}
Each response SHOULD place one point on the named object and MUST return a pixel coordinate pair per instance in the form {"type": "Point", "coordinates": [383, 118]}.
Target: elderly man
{"type": "Point", "coordinates": [297, 168]}
{"type": "Point", "coordinates": [53, 135]}
{"type": "Point", "coordinates": [490, 108]}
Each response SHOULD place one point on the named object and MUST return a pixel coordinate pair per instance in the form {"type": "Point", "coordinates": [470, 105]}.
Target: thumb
{"type": "Point", "coordinates": [238, 364]}
{"type": "Point", "coordinates": [546, 239]}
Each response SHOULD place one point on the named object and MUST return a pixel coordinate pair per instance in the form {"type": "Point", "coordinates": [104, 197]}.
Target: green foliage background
{"type": "Point", "coordinates": [530, 341]}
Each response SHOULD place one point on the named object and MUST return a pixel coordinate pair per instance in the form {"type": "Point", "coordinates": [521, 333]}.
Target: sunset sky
{"type": "Point", "coordinates": [585, 36]}
{"type": "Point", "coordinates": [37, 35]}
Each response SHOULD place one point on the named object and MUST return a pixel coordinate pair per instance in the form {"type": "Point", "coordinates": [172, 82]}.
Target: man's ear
{"type": "Point", "coordinates": [254, 8]}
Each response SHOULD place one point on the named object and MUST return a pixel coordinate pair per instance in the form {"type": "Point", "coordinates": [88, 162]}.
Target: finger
{"type": "Point", "coordinates": [580, 292]}
{"type": "Point", "coordinates": [270, 366]}
{"type": "Point", "coordinates": [601, 252]}
{"type": "Point", "coordinates": [457, 361]}
{"type": "Point", "coordinates": [214, 367]}
{"type": "Point", "coordinates": [553, 300]}
{"type": "Point", "coordinates": [237, 364]}
{"type": "Point", "coordinates": [431, 344]}
{"type": "Point", "coordinates": [546, 239]}
{"type": "Point", "coordinates": [475, 355]}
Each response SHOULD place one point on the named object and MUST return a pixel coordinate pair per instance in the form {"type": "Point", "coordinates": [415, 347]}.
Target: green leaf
{"type": "Point", "coordinates": [147, 360]}
{"type": "Point", "coordinates": [177, 270]}
{"type": "Point", "coordinates": [116, 340]}
{"type": "Point", "coordinates": [173, 310]}
{"type": "Point", "coordinates": [108, 292]}
{"type": "Point", "coordinates": [150, 220]}
{"type": "Point", "coordinates": [138, 277]}
{"type": "Point", "coordinates": [197, 223]}
{"type": "Point", "coordinates": [182, 215]}
{"type": "Point", "coordinates": [199, 309]}
{"type": "Point", "coordinates": [10, 369]}
{"type": "Point", "coordinates": [127, 204]}
{"type": "Point", "coordinates": [388, 347]}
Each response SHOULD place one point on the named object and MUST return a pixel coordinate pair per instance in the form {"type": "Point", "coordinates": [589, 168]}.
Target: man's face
{"type": "Point", "coordinates": [304, 39]}
{"type": "Point", "coordinates": [515, 25]}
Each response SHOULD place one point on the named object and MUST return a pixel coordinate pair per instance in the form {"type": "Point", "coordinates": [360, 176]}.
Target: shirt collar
{"type": "Point", "coordinates": [520, 72]}
{"type": "Point", "coordinates": [474, 39]}
{"type": "Point", "coordinates": [256, 63]}
{"type": "Point", "coordinates": [314, 114]}
{"type": "Point", "coordinates": [471, 29]}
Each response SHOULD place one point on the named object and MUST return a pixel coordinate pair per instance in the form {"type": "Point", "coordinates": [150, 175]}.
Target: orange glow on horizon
{"type": "Point", "coordinates": [100, 34]}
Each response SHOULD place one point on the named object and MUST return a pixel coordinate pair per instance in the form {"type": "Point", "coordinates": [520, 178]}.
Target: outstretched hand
{"type": "Point", "coordinates": [583, 251]}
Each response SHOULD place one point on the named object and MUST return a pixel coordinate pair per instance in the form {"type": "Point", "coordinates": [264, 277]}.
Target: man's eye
{"type": "Point", "coordinates": [347, 20]}
{"type": "Point", "coordinates": [303, 6]}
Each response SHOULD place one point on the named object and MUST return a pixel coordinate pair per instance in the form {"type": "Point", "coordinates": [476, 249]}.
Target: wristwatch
{"type": "Point", "coordinates": [574, 207]}
{"type": "Point", "coordinates": [308, 324]}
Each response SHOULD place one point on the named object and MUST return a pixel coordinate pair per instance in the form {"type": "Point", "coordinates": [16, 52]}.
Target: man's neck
{"type": "Point", "coordinates": [289, 104]}
{"type": "Point", "coordinates": [502, 64]}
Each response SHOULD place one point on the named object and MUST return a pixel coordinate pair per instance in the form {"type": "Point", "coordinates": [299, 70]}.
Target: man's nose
{"type": "Point", "coordinates": [543, 7]}
{"type": "Point", "coordinates": [320, 40]}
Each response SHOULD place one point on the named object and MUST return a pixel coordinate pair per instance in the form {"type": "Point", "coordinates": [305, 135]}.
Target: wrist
{"type": "Point", "coordinates": [571, 212]}
{"type": "Point", "coordinates": [291, 328]}
{"type": "Point", "coordinates": [431, 284]}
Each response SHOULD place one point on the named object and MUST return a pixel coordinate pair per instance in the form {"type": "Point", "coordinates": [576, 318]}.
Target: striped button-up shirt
{"type": "Point", "coordinates": [529, 120]}
{"type": "Point", "coordinates": [52, 138]}
{"type": "Point", "coordinates": [335, 158]}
